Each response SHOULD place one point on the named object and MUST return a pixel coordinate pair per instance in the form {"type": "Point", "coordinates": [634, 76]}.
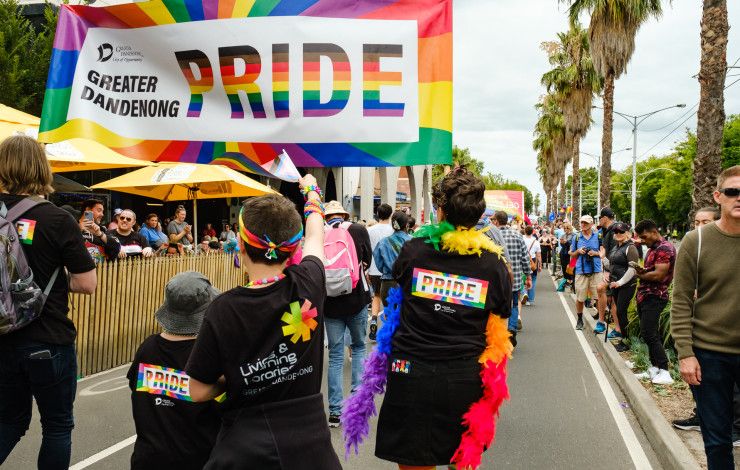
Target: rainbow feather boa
{"type": "Point", "coordinates": [480, 420]}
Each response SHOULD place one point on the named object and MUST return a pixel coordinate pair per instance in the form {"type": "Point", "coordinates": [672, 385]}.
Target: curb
{"type": "Point", "coordinates": [668, 446]}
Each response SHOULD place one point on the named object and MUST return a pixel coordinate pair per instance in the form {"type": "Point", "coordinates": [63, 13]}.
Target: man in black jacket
{"type": "Point", "coordinates": [347, 312]}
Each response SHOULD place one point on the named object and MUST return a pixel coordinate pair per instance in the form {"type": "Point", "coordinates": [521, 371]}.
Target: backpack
{"type": "Point", "coordinates": [21, 299]}
{"type": "Point", "coordinates": [341, 263]}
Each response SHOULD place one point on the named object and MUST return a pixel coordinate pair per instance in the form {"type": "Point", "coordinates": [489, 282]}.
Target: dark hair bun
{"type": "Point", "coordinates": [460, 194]}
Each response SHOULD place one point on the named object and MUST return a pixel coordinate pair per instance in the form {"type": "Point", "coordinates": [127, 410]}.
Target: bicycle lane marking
{"type": "Point", "coordinates": [637, 453]}
{"type": "Point", "coordinates": [104, 453]}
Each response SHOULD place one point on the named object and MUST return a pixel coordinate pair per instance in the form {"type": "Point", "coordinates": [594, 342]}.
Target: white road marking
{"type": "Point", "coordinates": [118, 383]}
{"type": "Point", "coordinates": [104, 453]}
{"type": "Point", "coordinates": [105, 372]}
{"type": "Point", "coordinates": [637, 453]}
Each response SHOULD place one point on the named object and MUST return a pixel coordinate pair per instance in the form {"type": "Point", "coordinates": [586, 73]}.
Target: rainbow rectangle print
{"type": "Point", "coordinates": [158, 380]}
{"type": "Point", "coordinates": [335, 83]}
{"type": "Point", "coordinates": [450, 288]}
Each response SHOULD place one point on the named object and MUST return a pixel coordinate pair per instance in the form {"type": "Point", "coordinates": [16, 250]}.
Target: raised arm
{"type": "Point", "coordinates": [314, 237]}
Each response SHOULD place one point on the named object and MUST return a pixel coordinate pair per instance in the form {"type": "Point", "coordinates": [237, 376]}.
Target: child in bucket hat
{"type": "Point", "coordinates": [171, 429]}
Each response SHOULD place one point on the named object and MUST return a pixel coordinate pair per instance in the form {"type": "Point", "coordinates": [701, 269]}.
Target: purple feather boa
{"type": "Point", "coordinates": [360, 406]}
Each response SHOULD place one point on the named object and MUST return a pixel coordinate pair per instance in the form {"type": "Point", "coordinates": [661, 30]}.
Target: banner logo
{"type": "Point", "coordinates": [159, 380]}
{"type": "Point", "coordinates": [105, 52]}
{"type": "Point", "coordinates": [450, 288]}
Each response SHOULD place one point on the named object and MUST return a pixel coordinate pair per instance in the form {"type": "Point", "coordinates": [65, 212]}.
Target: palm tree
{"type": "Point", "coordinates": [614, 25]}
{"type": "Point", "coordinates": [711, 114]}
{"type": "Point", "coordinates": [573, 81]}
{"type": "Point", "coordinates": [554, 150]}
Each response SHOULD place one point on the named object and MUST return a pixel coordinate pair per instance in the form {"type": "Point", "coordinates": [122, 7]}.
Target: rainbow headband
{"type": "Point", "coordinates": [288, 246]}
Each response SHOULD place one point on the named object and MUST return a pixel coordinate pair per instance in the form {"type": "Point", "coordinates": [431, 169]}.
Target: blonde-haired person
{"type": "Point", "coordinates": [39, 360]}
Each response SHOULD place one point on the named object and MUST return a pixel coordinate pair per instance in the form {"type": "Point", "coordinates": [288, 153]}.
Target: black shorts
{"type": "Point", "coordinates": [420, 421]}
{"type": "Point", "coordinates": [375, 284]}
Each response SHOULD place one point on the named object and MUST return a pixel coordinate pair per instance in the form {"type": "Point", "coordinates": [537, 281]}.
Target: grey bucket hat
{"type": "Point", "coordinates": [186, 298]}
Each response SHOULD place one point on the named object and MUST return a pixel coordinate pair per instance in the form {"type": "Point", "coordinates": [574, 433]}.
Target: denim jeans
{"type": "Point", "coordinates": [52, 382]}
{"type": "Point", "coordinates": [720, 373]}
{"type": "Point", "coordinates": [335, 328]}
{"type": "Point", "coordinates": [514, 318]}
{"type": "Point", "coordinates": [530, 291]}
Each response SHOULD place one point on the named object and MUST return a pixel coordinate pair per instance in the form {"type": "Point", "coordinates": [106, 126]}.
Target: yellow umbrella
{"type": "Point", "coordinates": [182, 181]}
{"type": "Point", "coordinates": [69, 155]}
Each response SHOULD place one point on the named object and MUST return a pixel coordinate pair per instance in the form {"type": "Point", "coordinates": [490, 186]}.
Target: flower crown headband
{"type": "Point", "coordinates": [288, 246]}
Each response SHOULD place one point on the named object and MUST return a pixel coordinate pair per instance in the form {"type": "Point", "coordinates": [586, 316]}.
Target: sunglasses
{"type": "Point", "coordinates": [125, 219]}
{"type": "Point", "coordinates": [730, 192]}
{"type": "Point", "coordinates": [619, 232]}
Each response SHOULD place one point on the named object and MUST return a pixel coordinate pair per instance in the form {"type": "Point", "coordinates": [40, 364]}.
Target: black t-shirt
{"type": "Point", "coordinates": [131, 244]}
{"type": "Point", "coordinates": [101, 251]}
{"type": "Point", "coordinates": [447, 300]}
{"type": "Point", "coordinates": [50, 238]}
{"type": "Point", "coordinates": [352, 303]}
{"type": "Point", "coordinates": [607, 239]}
{"type": "Point", "coordinates": [171, 430]}
{"type": "Point", "coordinates": [268, 342]}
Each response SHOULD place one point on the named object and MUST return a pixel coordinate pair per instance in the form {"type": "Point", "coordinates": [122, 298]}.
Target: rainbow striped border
{"type": "Point", "coordinates": [140, 387]}
{"type": "Point", "coordinates": [434, 19]}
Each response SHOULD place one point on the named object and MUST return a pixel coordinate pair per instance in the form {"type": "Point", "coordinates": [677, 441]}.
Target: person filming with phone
{"type": "Point", "coordinates": [100, 246]}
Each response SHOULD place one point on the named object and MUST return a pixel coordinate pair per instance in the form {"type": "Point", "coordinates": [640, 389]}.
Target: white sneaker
{"type": "Point", "coordinates": [663, 377]}
{"type": "Point", "coordinates": [649, 374]}
{"type": "Point", "coordinates": [629, 364]}
{"type": "Point", "coordinates": [528, 303]}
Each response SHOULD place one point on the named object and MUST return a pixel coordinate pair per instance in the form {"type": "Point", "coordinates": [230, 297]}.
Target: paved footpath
{"type": "Point", "coordinates": [565, 413]}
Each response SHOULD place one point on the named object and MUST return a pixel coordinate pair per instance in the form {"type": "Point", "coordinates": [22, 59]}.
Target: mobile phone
{"type": "Point", "coordinates": [88, 215]}
{"type": "Point", "coordinates": [43, 354]}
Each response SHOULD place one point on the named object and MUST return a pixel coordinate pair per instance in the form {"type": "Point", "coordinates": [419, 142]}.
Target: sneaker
{"type": "Point", "coordinates": [335, 421]}
{"type": "Point", "coordinates": [629, 364]}
{"type": "Point", "coordinates": [595, 316]}
{"type": "Point", "coordinates": [614, 334]}
{"type": "Point", "coordinates": [579, 323]}
{"type": "Point", "coordinates": [663, 377]}
{"type": "Point", "coordinates": [650, 374]}
{"type": "Point", "coordinates": [600, 328]}
{"type": "Point", "coordinates": [373, 329]}
{"type": "Point", "coordinates": [519, 324]}
{"type": "Point", "coordinates": [512, 338]}
{"type": "Point", "coordinates": [688, 424]}
{"type": "Point", "coordinates": [528, 303]}
{"type": "Point", "coordinates": [621, 347]}
{"type": "Point", "coordinates": [525, 298]}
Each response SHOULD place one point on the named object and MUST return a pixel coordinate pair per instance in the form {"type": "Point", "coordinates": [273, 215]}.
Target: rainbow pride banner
{"type": "Point", "coordinates": [510, 201]}
{"type": "Point", "coordinates": [333, 82]}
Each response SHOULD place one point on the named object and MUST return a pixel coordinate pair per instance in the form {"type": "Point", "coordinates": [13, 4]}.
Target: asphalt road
{"type": "Point", "coordinates": [564, 412]}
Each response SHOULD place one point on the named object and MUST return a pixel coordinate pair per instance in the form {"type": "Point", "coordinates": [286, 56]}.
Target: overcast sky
{"type": "Point", "coordinates": [498, 64]}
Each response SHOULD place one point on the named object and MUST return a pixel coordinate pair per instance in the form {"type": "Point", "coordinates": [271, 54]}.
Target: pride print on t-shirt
{"type": "Point", "coordinates": [451, 288]}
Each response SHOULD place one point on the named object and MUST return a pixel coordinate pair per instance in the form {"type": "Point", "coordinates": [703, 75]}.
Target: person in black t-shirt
{"type": "Point", "coordinates": [100, 246]}
{"type": "Point", "coordinates": [39, 360]}
{"type": "Point", "coordinates": [608, 243]}
{"type": "Point", "coordinates": [172, 430]}
{"type": "Point", "coordinates": [263, 344]}
{"type": "Point", "coordinates": [133, 244]}
{"type": "Point", "coordinates": [456, 299]}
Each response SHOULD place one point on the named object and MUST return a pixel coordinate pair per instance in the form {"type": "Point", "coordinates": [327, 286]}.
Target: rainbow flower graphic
{"type": "Point", "coordinates": [299, 322]}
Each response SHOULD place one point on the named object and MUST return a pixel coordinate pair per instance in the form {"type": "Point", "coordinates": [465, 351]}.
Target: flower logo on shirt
{"type": "Point", "coordinates": [299, 322]}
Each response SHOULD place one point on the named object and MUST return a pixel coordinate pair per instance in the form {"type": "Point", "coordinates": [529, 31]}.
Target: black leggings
{"type": "Point", "coordinates": [622, 298]}
{"type": "Point", "coordinates": [546, 251]}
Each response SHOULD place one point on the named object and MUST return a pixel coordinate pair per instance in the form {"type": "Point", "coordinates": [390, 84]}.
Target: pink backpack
{"type": "Point", "coordinates": [341, 264]}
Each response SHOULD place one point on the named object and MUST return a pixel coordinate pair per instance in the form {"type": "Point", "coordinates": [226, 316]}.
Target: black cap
{"type": "Point", "coordinates": [606, 212]}
{"type": "Point", "coordinates": [620, 227]}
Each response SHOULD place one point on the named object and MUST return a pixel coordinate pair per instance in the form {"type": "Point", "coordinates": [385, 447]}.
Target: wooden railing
{"type": "Point", "coordinates": [113, 322]}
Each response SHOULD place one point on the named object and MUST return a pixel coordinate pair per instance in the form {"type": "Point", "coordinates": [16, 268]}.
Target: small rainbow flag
{"type": "Point", "coordinates": [280, 167]}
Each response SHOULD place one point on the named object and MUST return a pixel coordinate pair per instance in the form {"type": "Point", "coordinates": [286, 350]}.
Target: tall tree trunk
{"type": "Point", "coordinates": [548, 207]}
{"type": "Point", "coordinates": [576, 177]}
{"type": "Point", "coordinates": [561, 194]}
{"type": "Point", "coordinates": [711, 115]}
{"type": "Point", "coordinates": [606, 141]}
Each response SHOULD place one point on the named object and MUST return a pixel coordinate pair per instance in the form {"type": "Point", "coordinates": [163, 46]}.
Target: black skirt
{"type": "Point", "coordinates": [285, 435]}
{"type": "Point", "coordinates": [420, 421]}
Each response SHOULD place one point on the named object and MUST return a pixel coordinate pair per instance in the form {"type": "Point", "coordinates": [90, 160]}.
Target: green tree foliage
{"type": "Point", "coordinates": [731, 142]}
{"type": "Point", "coordinates": [460, 157]}
{"type": "Point", "coordinates": [24, 57]}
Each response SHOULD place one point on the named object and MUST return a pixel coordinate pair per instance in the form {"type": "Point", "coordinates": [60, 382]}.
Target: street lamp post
{"type": "Point", "coordinates": [635, 121]}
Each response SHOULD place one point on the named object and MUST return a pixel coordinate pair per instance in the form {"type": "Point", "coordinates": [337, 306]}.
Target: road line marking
{"type": "Point", "coordinates": [637, 453]}
{"type": "Point", "coordinates": [124, 366]}
{"type": "Point", "coordinates": [104, 453]}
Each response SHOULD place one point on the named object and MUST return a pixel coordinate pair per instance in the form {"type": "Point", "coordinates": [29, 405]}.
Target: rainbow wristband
{"type": "Point", "coordinates": [307, 189]}
{"type": "Point", "coordinates": [313, 206]}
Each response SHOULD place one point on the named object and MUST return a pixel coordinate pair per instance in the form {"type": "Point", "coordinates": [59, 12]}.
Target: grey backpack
{"type": "Point", "coordinates": [21, 299]}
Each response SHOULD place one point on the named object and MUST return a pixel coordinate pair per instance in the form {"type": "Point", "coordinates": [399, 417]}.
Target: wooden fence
{"type": "Point", "coordinates": [113, 322]}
